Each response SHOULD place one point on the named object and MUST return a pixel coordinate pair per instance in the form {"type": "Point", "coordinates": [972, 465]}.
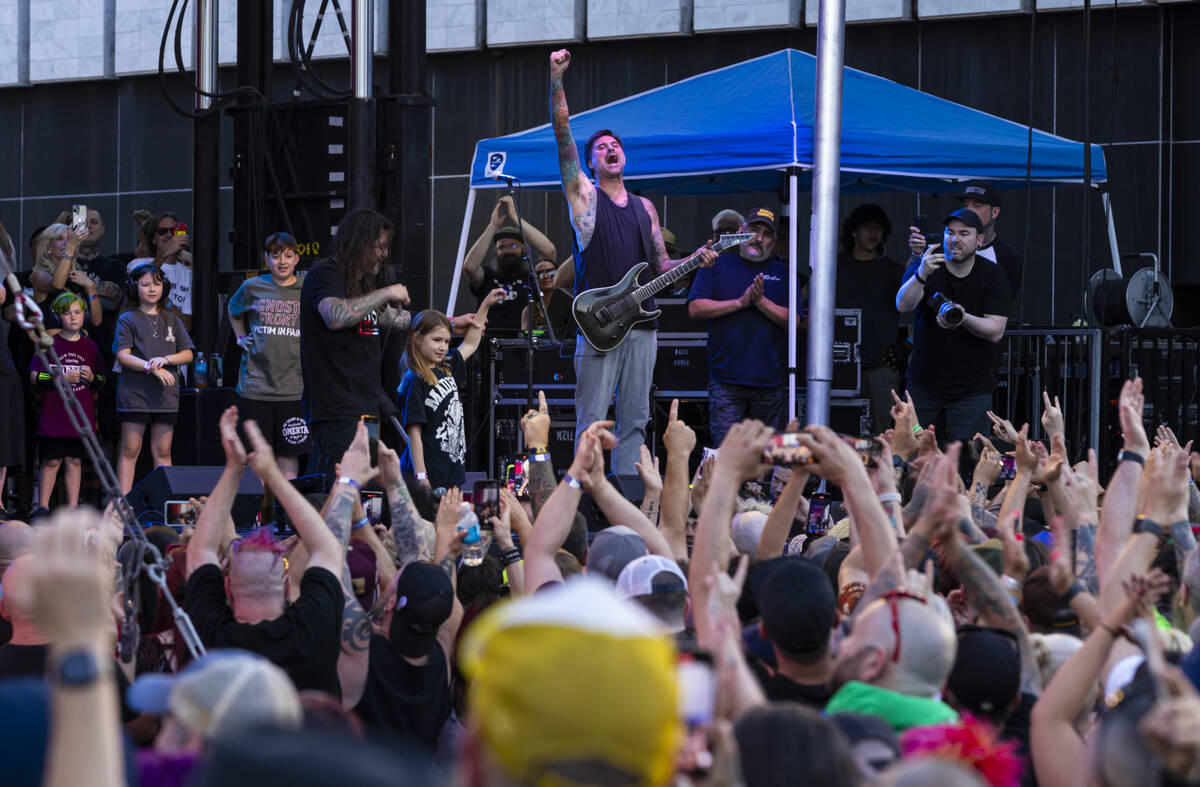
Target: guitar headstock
{"type": "Point", "coordinates": [731, 239]}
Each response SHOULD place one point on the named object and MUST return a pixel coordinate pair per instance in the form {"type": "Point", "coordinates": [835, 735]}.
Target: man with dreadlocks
{"type": "Point", "coordinates": [341, 313]}
{"type": "Point", "coordinates": [248, 609]}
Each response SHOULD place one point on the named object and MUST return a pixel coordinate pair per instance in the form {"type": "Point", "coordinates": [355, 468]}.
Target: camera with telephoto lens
{"type": "Point", "coordinates": [947, 309]}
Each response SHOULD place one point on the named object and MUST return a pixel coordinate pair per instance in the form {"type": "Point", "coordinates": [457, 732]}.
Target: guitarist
{"type": "Point", "coordinates": [744, 301]}
{"type": "Point", "coordinates": [614, 230]}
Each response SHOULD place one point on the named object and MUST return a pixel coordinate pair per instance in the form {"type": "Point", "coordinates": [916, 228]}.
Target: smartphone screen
{"type": "Point", "coordinates": [516, 477]}
{"type": "Point", "coordinates": [372, 503]}
{"type": "Point", "coordinates": [1009, 469]}
{"type": "Point", "coordinates": [485, 498]}
{"type": "Point", "coordinates": [179, 513]}
{"type": "Point", "coordinates": [818, 514]}
{"type": "Point", "coordinates": [79, 215]}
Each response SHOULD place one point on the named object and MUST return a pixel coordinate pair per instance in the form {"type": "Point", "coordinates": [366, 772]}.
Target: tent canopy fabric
{"type": "Point", "coordinates": [702, 135]}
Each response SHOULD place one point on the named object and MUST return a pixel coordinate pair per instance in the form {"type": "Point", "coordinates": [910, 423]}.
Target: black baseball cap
{"type": "Point", "coordinates": [982, 191]}
{"type": "Point", "coordinates": [797, 604]}
{"type": "Point", "coordinates": [986, 678]}
{"type": "Point", "coordinates": [424, 600]}
{"type": "Point", "coordinates": [968, 217]}
{"type": "Point", "coordinates": [762, 216]}
{"type": "Point", "coordinates": [508, 231]}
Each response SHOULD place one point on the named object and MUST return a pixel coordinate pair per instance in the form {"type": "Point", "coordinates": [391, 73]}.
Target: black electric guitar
{"type": "Point", "coordinates": [606, 315]}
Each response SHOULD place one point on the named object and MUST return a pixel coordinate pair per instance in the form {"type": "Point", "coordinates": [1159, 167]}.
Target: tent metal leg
{"type": "Point", "coordinates": [793, 294]}
{"type": "Point", "coordinates": [462, 251]}
{"type": "Point", "coordinates": [827, 154]}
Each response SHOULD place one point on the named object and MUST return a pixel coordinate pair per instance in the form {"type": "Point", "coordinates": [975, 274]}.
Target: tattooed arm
{"type": "Point", "coordinates": [341, 313]}
{"type": "Point", "coordinates": [1085, 557]}
{"type": "Point", "coordinates": [399, 319]}
{"type": "Point", "coordinates": [989, 598]}
{"type": "Point", "coordinates": [413, 536]}
{"type": "Point", "coordinates": [535, 426]}
{"type": "Point", "coordinates": [581, 193]}
{"type": "Point", "coordinates": [356, 626]}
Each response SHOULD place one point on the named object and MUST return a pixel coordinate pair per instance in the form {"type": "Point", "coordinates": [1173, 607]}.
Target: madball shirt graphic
{"type": "Point", "coordinates": [294, 430]}
{"type": "Point", "coordinates": [443, 399]}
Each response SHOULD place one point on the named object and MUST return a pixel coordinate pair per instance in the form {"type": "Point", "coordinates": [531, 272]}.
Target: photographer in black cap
{"type": "Point", "coordinates": [982, 199]}
{"type": "Point", "coordinates": [961, 302]}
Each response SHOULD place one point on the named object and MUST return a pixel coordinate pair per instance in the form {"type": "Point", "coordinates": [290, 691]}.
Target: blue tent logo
{"type": "Point", "coordinates": [495, 164]}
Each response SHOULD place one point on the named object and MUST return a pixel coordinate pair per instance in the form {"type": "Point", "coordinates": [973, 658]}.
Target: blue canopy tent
{"type": "Point", "coordinates": [699, 135]}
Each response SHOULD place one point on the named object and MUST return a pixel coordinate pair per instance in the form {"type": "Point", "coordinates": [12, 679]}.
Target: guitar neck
{"type": "Point", "coordinates": [664, 281]}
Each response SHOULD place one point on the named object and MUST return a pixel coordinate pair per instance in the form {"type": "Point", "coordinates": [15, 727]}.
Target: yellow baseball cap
{"type": "Point", "coordinates": [572, 684]}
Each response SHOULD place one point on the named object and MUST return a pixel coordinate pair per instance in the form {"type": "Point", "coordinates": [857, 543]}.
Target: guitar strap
{"type": "Point", "coordinates": [643, 220]}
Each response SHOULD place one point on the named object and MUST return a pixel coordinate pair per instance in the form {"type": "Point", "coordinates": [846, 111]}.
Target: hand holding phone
{"type": "Point", "coordinates": [485, 498]}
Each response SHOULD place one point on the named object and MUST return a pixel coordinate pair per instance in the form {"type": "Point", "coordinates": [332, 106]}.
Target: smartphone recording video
{"type": "Point", "coordinates": [485, 497]}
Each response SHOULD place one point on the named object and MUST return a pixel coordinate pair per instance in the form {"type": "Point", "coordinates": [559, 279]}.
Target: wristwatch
{"type": "Point", "coordinates": [78, 669]}
{"type": "Point", "coordinates": [1131, 456]}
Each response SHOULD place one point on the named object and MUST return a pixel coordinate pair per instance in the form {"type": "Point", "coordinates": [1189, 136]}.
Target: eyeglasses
{"type": "Point", "coordinates": [893, 599]}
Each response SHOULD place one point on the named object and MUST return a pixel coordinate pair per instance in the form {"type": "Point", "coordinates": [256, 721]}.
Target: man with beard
{"type": "Point", "coordinates": [511, 272]}
{"type": "Point", "coordinates": [614, 231]}
{"type": "Point", "coordinates": [341, 314]}
{"type": "Point", "coordinates": [952, 372]}
{"type": "Point", "coordinates": [743, 297]}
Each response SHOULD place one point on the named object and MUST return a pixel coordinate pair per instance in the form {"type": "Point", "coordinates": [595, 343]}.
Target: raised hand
{"type": "Point", "coordinates": [1166, 496]}
{"type": "Point", "coordinates": [1164, 434]}
{"type": "Point", "coordinates": [389, 465]}
{"type": "Point", "coordinates": [1052, 415]}
{"type": "Point", "coordinates": [678, 437]}
{"type": "Point", "coordinates": [741, 452]}
{"type": "Point", "coordinates": [559, 60]}
{"type": "Point", "coordinates": [1016, 562]}
{"type": "Point", "coordinates": [262, 456]}
{"type": "Point", "coordinates": [1003, 428]}
{"type": "Point", "coordinates": [235, 450]}
{"type": "Point", "coordinates": [536, 424]}
{"type": "Point", "coordinates": [648, 469]}
{"type": "Point", "coordinates": [833, 459]}
{"type": "Point", "coordinates": [1131, 406]}
{"type": "Point", "coordinates": [71, 586]}
{"type": "Point", "coordinates": [1024, 453]}
{"type": "Point", "coordinates": [356, 462]}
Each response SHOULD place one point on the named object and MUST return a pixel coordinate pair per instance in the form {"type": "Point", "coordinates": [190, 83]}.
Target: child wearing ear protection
{"type": "Point", "coordinates": [151, 344]}
{"type": "Point", "coordinates": [83, 367]}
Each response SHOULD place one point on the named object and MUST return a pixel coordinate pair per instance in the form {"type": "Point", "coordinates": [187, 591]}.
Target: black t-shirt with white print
{"type": "Point", "coordinates": [439, 411]}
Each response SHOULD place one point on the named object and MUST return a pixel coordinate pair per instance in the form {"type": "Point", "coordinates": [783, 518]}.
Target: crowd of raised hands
{"type": "Point", "coordinates": [989, 613]}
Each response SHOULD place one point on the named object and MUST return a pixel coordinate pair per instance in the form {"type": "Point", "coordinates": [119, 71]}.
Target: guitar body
{"type": "Point", "coordinates": [603, 320]}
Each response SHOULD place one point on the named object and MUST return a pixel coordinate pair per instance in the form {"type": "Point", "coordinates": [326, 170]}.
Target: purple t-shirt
{"type": "Point", "coordinates": [72, 355]}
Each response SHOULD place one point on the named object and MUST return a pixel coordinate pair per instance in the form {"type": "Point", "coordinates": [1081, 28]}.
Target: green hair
{"type": "Point", "coordinates": [64, 302]}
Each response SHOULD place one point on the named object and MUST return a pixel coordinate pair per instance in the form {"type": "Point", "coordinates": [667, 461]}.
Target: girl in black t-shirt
{"type": "Point", "coordinates": [428, 397]}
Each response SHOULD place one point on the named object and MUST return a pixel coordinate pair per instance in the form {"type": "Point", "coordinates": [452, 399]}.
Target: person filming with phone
{"type": "Point", "coordinates": [961, 302]}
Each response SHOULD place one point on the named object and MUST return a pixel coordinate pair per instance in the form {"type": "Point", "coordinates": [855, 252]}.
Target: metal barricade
{"type": "Point", "coordinates": [1065, 362]}
{"type": "Point", "coordinates": [1167, 360]}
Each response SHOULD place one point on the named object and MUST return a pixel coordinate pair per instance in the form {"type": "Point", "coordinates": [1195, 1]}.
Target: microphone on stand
{"type": "Point", "coordinates": [509, 179]}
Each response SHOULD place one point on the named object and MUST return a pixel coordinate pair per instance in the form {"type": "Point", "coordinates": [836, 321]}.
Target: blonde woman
{"type": "Point", "coordinates": [55, 269]}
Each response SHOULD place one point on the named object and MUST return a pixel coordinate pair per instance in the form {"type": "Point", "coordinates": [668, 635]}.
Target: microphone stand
{"type": "Point", "coordinates": [533, 292]}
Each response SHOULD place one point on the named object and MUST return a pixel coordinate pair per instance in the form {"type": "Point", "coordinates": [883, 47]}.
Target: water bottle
{"type": "Point", "coordinates": [201, 371]}
{"type": "Point", "coordinates": [475, 545]}
{"type": "Point", "coordinates": [214, 363]}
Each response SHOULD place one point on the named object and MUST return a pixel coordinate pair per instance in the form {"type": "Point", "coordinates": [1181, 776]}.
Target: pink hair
{"type": "Point", "coordinates": [971, 743]}
{"type": "Point", "coordinates": [260, 540]}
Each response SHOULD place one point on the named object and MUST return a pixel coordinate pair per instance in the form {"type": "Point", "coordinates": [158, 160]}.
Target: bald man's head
{"type": "Point", "coordinates": [16, 539]}
{"type": "Point", "coordinates": [926, 648]}
{"type": "Point", "coordinates": [930, 770]}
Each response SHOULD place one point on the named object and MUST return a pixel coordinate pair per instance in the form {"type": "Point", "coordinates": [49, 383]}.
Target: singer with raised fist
{"type": "Point", "coordinates": [342, 311]}
{"type": "Point", "coordinates": [614, 231]}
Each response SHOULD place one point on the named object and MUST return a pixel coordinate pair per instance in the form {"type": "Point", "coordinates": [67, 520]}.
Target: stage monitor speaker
{"type": "Point", "coordinates": [631, 487]}
{"type": "Point", "coordinates": [180, 483]}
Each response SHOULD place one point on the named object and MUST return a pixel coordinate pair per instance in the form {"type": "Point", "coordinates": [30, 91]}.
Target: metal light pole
{"type": "Point", "coordinates": [205, 232]}
{"type": "Point", "coordinates": [822, 249]}
{"type": "Point", "coordinates": [361, 178]}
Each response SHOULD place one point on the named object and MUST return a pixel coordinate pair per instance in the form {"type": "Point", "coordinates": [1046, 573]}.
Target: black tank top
{"type": "Point", "coordinates": [620, 241]}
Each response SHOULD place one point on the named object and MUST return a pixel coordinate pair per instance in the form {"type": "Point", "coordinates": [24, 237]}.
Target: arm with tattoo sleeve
{"type": "Point", "coordinates": [341, 313]}
{"type": "Point", "coordinates": [541, 484]}
{"type": "Point", "coordinates": [413, 536]}
{"type": "Point", "coordinates": [581, 194]}
{"type": "Point", "coordinates": [356, 626]}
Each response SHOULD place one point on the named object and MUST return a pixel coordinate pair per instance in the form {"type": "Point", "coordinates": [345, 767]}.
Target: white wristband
{"type": "Point", "coordinates": [422, 476]}
{"type": "Point", "coordinates": [890, 497]}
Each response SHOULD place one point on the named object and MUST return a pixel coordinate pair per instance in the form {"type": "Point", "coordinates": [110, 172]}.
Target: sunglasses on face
{"type": "Point", "coordinates": [546, 274]}
{"type": "Point", "coordinates": [164, 230]}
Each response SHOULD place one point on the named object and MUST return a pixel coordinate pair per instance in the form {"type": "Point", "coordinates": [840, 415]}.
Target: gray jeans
{"type": "Point", "coordinates": [626, 371]}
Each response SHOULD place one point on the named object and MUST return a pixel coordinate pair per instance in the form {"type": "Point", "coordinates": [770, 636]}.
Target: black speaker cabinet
{"type": "Point", "coordinates": [180, 483]}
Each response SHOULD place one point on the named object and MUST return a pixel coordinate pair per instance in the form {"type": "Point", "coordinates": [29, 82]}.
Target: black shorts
{"type": "Point", "coordinates": [60, 448]}
{"type": "Point", "coordinates": [282, 424]}
{"type": "Point", "coordinates": [127, 416]}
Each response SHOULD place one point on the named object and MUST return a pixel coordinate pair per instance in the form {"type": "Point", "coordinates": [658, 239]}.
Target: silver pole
{"type": "Point", "coordinates": [362, 38]}
{"type": "Point", "coordinates": [206, 51]}
{"type": "Point", "coordinates": [793, 295]}
{"type": "Point", "coordinates": [822, 250]}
